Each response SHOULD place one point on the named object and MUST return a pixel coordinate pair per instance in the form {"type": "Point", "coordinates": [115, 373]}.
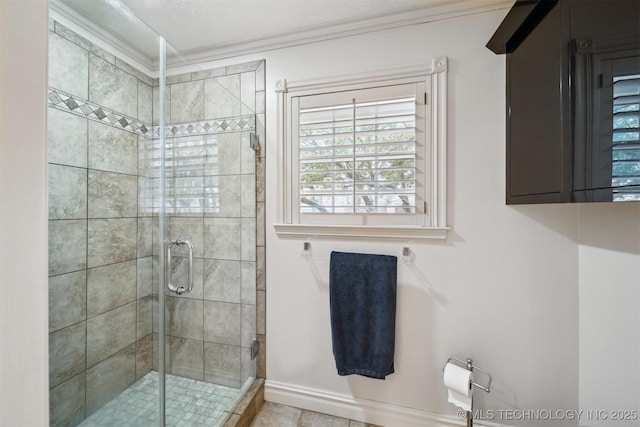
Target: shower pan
{"type": "Point", "coordinates": [154, 224]}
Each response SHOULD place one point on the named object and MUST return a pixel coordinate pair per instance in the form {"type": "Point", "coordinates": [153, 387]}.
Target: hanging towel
{"type": "Point", "coordinates": [362, 290]}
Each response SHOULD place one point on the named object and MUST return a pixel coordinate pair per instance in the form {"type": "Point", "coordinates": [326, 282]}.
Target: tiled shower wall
{"type": "Point", "coordinates": [102, 228]}
{"type": "Point", "coordinates": [100, 243]}
{"type": "Point", "coordinates": [211, 200]}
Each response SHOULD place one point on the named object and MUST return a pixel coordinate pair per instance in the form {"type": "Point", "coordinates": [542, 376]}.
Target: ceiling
{"type": "Point", "coordinates": [197, 24]}
{"type": "Point", "coordinates": [213, 29]}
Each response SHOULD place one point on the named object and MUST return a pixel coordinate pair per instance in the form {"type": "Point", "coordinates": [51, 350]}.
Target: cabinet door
{"type": "Point", "coordinates": [538, 151]}
{"type": "Point", "coordinates": [606, 97]}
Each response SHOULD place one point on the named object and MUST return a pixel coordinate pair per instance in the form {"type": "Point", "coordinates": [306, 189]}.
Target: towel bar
{"type": "Point", "coordinates": [406, 252]}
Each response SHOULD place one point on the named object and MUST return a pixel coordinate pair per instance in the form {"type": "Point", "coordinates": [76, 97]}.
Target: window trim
{"type": "Point", "coordinates": [435, 228]}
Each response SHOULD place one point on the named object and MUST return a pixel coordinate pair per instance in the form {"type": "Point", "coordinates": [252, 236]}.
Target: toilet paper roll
{"type": "Point", "coordinates": [458, 381]}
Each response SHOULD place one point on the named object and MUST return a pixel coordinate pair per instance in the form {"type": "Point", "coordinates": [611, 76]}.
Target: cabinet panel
{"type": "Point", "coordinates": [536, 164]}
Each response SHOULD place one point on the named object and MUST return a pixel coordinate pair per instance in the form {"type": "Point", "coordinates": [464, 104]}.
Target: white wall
{"type": "Point", "coordinates": [502, 289]}
{"type": "Point", "coordinates": [23, 214]}
{"type": "Point", "coordinates": [609, 314]}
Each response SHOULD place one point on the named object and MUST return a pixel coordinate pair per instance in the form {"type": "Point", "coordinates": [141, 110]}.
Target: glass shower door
{"type": "Point", "coordinates": [210, 210]}
{"type": "Point", "coordinates": [101, 261]}
{"type": "Point", "coordinates": [152, 225]}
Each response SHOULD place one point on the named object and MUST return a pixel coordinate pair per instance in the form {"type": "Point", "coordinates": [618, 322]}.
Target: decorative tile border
{"type": "Point", "coordinates": [224, 125]}
{"type": "Point", "coordinates": [67, 102]}
{"type": "Point", "coordinates": [72, 104]}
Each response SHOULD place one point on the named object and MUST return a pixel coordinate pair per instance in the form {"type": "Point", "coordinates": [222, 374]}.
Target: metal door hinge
{"type": "Point", "coordinates": [255, 348]}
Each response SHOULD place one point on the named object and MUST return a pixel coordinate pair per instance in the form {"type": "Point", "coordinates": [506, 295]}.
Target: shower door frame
{"type": "Point", "coordinates": [162, 237]}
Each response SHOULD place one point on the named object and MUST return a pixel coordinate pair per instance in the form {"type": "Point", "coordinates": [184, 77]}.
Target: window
{"type": "Point", "coordinates": [366, 157]}
{"type": "Point", "coordinates": [626, 138]}
{"type": "Point", "coordinates": [357, 154]}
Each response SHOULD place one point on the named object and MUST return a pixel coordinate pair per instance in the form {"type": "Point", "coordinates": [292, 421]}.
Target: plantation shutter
{"type": "Point", "coordinates": [360, 152]}
{"type": "Point", "coordinates": [626, 137]}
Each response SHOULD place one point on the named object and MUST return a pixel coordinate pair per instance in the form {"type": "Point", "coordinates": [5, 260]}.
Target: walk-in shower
{"type": "Point", "coordinates": [155, 212]}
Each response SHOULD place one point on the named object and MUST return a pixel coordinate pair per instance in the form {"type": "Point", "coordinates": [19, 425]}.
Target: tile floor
{"type": "Point", "coordinates": [276, 415]}
{"type": "Point", "coordinates": [190, 403]}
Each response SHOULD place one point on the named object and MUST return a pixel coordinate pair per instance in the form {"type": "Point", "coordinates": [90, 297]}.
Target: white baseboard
{"type": "Point", "coordinates": [364, 410]}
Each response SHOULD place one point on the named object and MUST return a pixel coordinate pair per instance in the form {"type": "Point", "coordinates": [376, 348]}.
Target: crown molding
{"type": "Point", "coordinates": [307, 35]}
{"type": "Point", "coordinates": [317, 33]}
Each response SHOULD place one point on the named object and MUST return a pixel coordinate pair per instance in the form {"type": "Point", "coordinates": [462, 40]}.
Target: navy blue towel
{"type": "Point", "coordinates": [362, 290]}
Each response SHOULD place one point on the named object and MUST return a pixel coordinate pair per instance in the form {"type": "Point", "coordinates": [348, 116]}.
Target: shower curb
{"type": "Point", "coordinates": [249, 406]}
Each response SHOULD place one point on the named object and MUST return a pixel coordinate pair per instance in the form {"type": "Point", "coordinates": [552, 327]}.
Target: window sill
{"type": "Point", "coordinates": [379, 232]}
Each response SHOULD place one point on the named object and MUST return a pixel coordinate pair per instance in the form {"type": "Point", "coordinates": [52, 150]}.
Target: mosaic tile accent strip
{"type": "Point", "coordinates": [190, 403]}
{"type": "Point", "coordinates": [66, 102]}
{"type": "Point", "coordinates": [69, 103]}
{"type": "Point", "coordinates": [206, 127]}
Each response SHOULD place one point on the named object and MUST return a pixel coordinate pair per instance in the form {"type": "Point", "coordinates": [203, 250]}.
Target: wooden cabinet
{"type": "Point", "coordinates": [564, 61]}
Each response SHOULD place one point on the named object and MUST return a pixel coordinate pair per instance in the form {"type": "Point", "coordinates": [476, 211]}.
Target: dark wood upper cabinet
{"type": "Point", "coordinates": [573, 100]}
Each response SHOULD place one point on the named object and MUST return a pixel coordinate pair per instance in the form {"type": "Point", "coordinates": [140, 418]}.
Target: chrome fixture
{"type": "Point", "coordinates": [179, 290]}
{"type": "Point", "coordinates": [406, 255]}
{"type": "Point", "coordinates": [255, 348]}
{"type": "Point", "coordinates": [254, 141]}
{"type": "Point", "coordinates": [306, 250]}
{"type": "Point", "coordinates": [468, 365]}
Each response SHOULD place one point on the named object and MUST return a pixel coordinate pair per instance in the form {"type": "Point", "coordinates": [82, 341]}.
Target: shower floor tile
{"type": "Point", "coordinates": [189, 403]}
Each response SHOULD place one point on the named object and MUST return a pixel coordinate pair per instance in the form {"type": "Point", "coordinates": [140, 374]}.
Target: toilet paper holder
{"type": "Point", "coordinates": [471, 367]}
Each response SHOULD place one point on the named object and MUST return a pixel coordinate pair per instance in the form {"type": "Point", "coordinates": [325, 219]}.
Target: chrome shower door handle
{"type": "Point", "coordinates": [177, 288]}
